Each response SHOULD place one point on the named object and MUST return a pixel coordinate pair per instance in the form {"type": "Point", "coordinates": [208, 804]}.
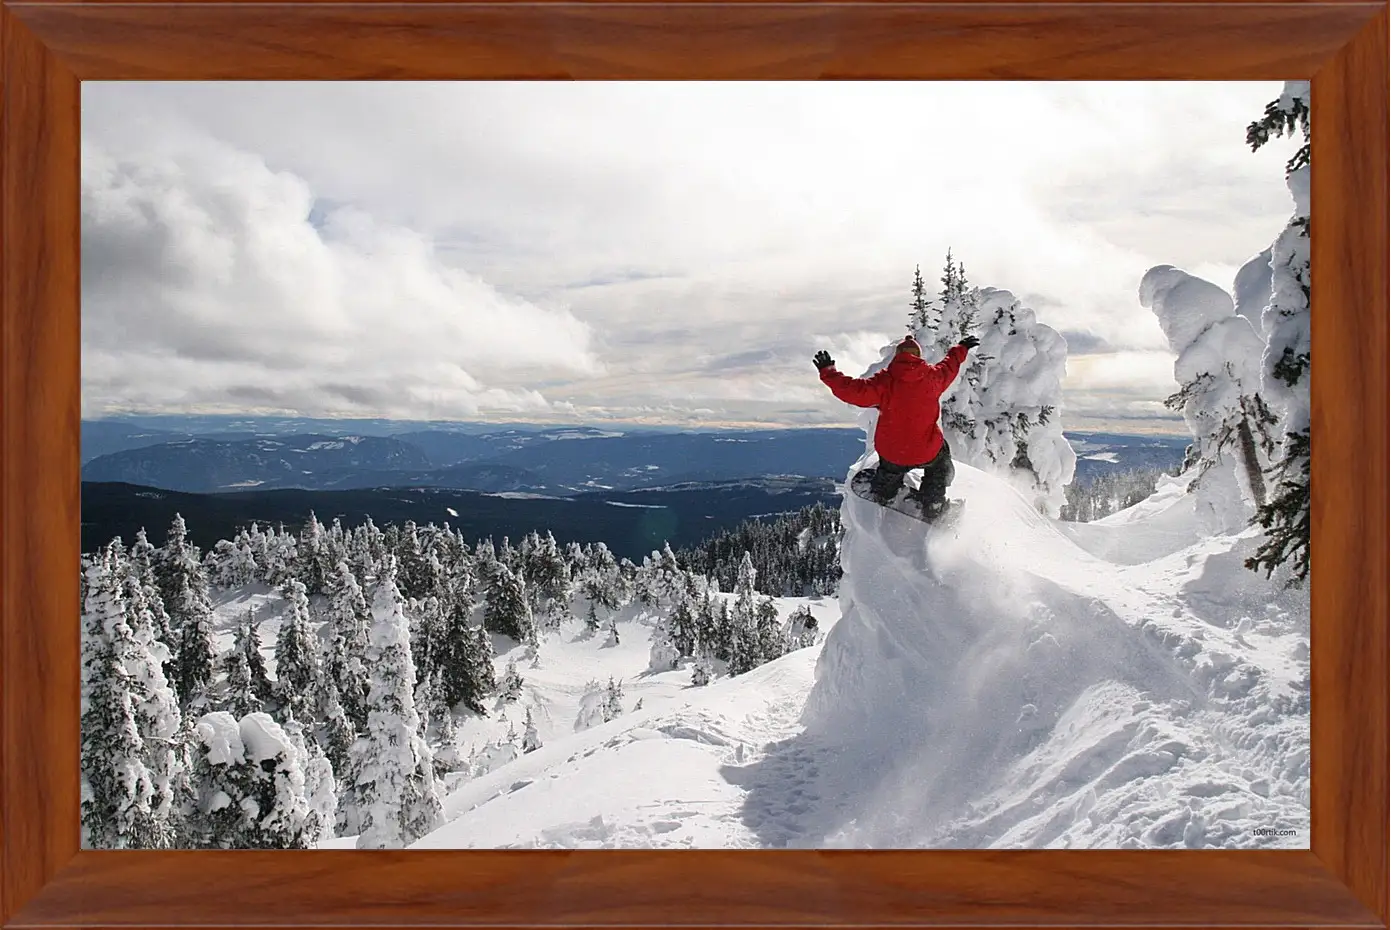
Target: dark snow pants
{"type": "Point", "coordinates": [937, 475]}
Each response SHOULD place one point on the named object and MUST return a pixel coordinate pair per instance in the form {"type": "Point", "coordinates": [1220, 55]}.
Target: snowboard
{"type": "Point", "coordinates": [902, 503]}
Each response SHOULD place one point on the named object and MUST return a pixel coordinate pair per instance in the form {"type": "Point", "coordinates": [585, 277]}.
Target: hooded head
{"type": "Point", "coordinates": [910, 345]}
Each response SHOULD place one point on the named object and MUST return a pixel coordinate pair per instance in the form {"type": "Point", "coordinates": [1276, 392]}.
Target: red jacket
{"type": "Point", "coordinates": [908, 394]}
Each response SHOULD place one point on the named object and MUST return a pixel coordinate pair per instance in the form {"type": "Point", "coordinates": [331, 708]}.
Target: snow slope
{"type": "Point", "coordinates": [1041, 695]}
{"type": "Point", "coordinates": [1019, 683]}
{"type": "Point", "coordinates": [675, 774]}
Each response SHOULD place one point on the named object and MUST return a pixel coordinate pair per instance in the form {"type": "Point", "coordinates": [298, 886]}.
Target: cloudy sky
{"type": "Point", "coordinates": [634, 252]}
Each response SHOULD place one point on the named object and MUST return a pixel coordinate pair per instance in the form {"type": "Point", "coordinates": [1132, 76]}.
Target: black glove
{"type": "Point", "coordinates": [970, 342]}
{"type": "Point", "coordinates": [822, 359]}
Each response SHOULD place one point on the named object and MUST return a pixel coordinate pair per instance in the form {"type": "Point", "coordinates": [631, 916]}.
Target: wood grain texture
{"type": "Point", "coordinates": [596, 41]}
{"type": "Point", "coordinates": [39, 501]}
{"type": "Point", "coordinates": [47, 48]}
{"type": "Point", "coordinates": [701, 888]}
{"type": "Point", "coordinates": [1349, 285]}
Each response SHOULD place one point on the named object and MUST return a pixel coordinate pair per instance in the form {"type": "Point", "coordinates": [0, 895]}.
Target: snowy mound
{"type": "Point", "coordinates": [1003, 686]}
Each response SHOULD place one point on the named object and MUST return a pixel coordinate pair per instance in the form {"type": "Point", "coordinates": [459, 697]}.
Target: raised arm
{"type": "Point", "coordinates": [946, 370]}
{"type": "Point", "coordinates": [862, 392]}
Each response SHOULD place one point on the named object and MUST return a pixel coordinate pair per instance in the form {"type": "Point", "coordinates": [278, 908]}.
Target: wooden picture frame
{"type": "Point", "coordinates": [48, 49]}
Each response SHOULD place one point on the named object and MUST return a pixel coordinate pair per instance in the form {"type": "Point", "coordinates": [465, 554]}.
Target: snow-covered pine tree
{"type": "Point", "coordinates": [744, 652]}
{"type": "Point", "coordinates": [321, 793]}
{"type": "Point", "coordinates": [191, 613]}
{"type": "Point", "coordinates": [174, 559]}
{"type": "Point", "coordinates": [320, 787]}
{"type": "Point", "coordinates": [297, 672]}
{"type": "Point", "coordinates": [707, 624]}
{"type": "Point", "coordinates": [249, 785]}
{"type": "Point", "coordinates": [613, 700]}
{"type": "Point", "coordinates": [338, 734]}
{"type": "Point", "coordinates": [175, 782]}
{"type": "Point", "coordinates": [770, 636]}
{"type": "Point", "coordinates": [414, 576]}
{"type": "Point", "coordinates": [575, 561]}
{"type": "Point", "coordinates": [481, 671]}
{"type": "Point", "coordinates": [701, 671]}
{"type": "Point", "coordinates": [594, 706]}
{"type": "Point", "coordinates": [625, 582]}
{"type": "Point", "coordinates": [531, 741]}
{"type": "Point", "coordinates": [117, 794]}
{"type": "Point", "coordinates": [230, 564]}
{"type": "Point", "coordinates": [681, 624]}
{"type": "Point", "coordinates": [282, 557]}
{"type": "Point", "coordinates": [449, 755]}
{"type": "Point", "coordinates": [219, 783]}
{"type": "Point", "coordinates": [956, 309]}
{"type": "Point", "coordinates": [393, 769]}
{"type": "Point", "coordinates": [1218, 371]}
{"type": "Point", "coordinates": [601, 583]}
{"type": "Point", "coordinates": [548, 581]}
{"type": "Point", "coordinates": [237, 695]}
{"type": "Point", "coordinates": [260, 550]}
{"type": "Point", "coordinates": [349, 620]}
{"type": "Point", "coordinates": [663, 654]}
{"type": "Point", "coordinates": [645, 583]}
{"type": "Point", "coordinates": [428, 705]}
{"type": "Point", "coordinates": [1011, 392]}
{"type": "Point", "coordinates": [671, 582]}
{"type": "Point", "coordinates": [922, 316]}
{"type": "Point", "coordinates": [281, 816]}
{"type": "Point", "coordinates": [261, 685]}
{"type": "Point", "coordinates": [510, 688]}
{"type": "Point", "coordinates": [427, 640]}
{"type": "Point", "coordinates": [360, 550]}
{"type": "Point", "coordinates": [156, 705]}
{"type": "Point", "coordinates": [496, 754]}
{"type": "Point", "coordinates": [726, 635]}
{"type": "Point", "coordinates": [1285, 360]}
{"type": "Point", "coordinates": [312, 557]}
{"type": "Point", "coordinates": [507, 611]}
{"type": "Point", "coordinates": [143, 559]}
{"type": "Point", "coordinates": [466, 664]}
{"type": "Point", "coordinates": [485, 561]}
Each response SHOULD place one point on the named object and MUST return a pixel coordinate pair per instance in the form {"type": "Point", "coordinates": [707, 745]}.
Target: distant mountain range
{"type": "Point", "coordinates": [558, 461]}
{"type": "Point", "coordinates": [1099, 453]}
{"type": "Point", "coordinates": [631, 523]}
{"type": "Point", "coordinates": [631, 488]}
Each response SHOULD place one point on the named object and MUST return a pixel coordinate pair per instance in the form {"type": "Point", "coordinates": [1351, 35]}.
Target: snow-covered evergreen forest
{"type": "Point", "coordinates": [385, 640]}
{"type": "Point", "coordinates": [1055, 671]}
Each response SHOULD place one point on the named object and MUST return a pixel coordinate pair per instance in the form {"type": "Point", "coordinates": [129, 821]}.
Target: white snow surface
{"type": "Point", "coordinates": [1252, 288]}
{"type": "Point", "coordinates": [221, 735]}
{"type": "Point", "coordinates": [264, 738]}
{"type": "Point", "coordinates": [1003, 686]}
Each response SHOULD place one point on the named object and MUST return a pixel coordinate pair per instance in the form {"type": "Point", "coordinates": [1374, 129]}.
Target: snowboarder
{"type": "Point", "coordinates": [908, 394]}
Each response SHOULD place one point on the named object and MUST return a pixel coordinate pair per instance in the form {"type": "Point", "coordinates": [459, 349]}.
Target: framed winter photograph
{"type": "Point", "coordinates": [584, 463]}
